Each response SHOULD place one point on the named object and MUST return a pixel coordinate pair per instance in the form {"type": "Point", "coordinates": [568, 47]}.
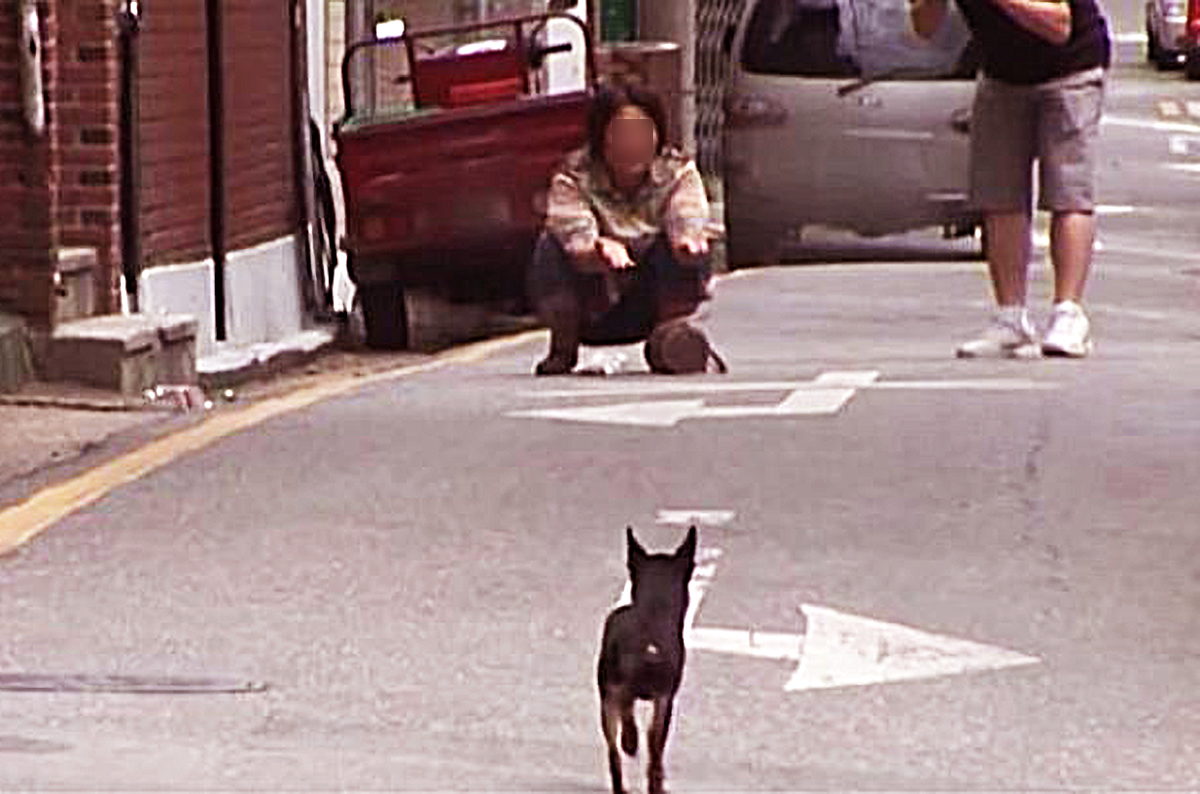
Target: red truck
{"type": "Point", "coordinates": [445, 189]}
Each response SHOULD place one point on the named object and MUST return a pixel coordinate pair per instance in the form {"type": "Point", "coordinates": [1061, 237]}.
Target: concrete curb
{"type": "Point", "coordinates": [234, 367]}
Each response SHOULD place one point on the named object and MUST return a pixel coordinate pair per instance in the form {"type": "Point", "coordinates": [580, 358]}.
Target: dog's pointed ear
{"type": "Point", "coordinates": [687, 549]}
{"type": "Point", "coordinates": [636, 553]}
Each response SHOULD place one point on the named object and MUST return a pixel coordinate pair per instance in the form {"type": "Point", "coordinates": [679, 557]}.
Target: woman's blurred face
{"type": "Point", "coordinates": [631, 143]}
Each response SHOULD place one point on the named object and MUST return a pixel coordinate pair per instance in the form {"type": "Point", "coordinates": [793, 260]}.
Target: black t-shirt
{"type": "Point", "coordinates": [1016, 55]}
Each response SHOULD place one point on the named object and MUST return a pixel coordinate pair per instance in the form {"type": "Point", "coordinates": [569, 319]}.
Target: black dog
{"type": "Point", "coordinates": [642, 654]}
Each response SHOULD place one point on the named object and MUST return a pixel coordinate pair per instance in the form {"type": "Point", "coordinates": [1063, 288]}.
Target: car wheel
{"type": "Point", "coordinates": [751, 246]}
{"type": "Point", "coordinates": [1153, 54]}
{"type": "Point", "coordinates": [1165, 59]}
{"type": "Point", "coordinates": [1192, 67]}
{"type": "Point", "coordinates": [384, 316]}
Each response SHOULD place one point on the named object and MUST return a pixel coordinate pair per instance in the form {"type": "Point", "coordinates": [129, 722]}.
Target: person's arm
{"type": "Point", "coordinates": [571, 220]}
{"type": "Point", "coordinates": [1048, 19]}
{"type": "Point", "coordinates": [688, 214]}
{"type": "Point", "coordinates": [927, 16]}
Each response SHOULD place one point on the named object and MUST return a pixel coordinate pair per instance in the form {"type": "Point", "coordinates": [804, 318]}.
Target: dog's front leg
{"type": "Point", "coordinates": [657, 739]}
{"type": "Point", "coordinates": [610, 719]}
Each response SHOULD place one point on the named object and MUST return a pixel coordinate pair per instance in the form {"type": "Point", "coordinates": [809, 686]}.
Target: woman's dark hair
{"type": "Point", "coordinates": [610, 101]}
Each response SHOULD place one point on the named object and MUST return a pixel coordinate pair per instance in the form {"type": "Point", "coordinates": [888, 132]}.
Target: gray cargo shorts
{"type": "Point", "coordinates": [1054, 123]}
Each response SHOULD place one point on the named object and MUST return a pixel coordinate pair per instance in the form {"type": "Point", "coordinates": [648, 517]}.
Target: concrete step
{"type": "Point", "coordinates": [122, 353]}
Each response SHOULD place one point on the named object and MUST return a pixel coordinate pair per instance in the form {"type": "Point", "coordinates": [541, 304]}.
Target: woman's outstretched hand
{"type": "Point", "coordinates": [614, 254]}
{"type": "Point", "coordinates": [691, 250]}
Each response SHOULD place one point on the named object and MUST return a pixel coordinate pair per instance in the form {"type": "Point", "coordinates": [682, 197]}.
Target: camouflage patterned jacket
{"type": "Point", "coordinates": [583, 204]}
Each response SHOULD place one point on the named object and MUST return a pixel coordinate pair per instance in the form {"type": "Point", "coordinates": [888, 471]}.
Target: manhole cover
{"type": "Point", "coordinates": [133, 684]}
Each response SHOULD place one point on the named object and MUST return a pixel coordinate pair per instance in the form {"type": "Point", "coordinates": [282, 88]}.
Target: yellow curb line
{"type": "Point", "coordinates": [22, 522]}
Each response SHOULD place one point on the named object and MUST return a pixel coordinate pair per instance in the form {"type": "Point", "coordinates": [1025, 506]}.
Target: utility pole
{"type": "Point", "coordinates": [675, 21]}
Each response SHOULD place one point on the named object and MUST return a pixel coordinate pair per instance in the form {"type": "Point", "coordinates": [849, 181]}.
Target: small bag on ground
{"type": "Point", "coordinates": [680, 348]}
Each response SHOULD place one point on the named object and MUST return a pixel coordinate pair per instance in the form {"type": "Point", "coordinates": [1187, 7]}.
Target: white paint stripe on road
{"type": "Point", "coordinates": [856, 379]}
{"type": "Point", "coordinates": [1170, 108]}
{"type": "Point", "coordinates": [1191, 168]}
{"type": "Point", "coordinates": [1132, 37]}
{"type": "Point", "coordinates": [703, 518]}
{"type": "Point", "coordinates": [644, 388]}
{"type": "Point", "coordinates": [1117, 311]}
{"type": "Point", "coordinates": [1149, 124]}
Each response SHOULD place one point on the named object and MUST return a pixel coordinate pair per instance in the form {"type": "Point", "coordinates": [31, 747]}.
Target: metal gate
{"type": "Point", "coordinates": [713, 21]}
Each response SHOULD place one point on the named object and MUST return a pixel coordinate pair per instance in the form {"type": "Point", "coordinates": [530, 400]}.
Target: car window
{"type": "Point", "coordinates": [787, 37]}
{"type": "Point", "coordinates": [838, 38]}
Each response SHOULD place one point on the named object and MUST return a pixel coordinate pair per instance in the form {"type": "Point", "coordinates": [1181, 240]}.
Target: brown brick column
{"type": "Point", "coordinates": [89, 184]}
{"type": "Point", "coordinates": [28, 168]}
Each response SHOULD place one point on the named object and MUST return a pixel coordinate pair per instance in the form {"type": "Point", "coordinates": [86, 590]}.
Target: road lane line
{"type": "Point", "coordinates": [1170, 108]}
{"type": "Point", "coordinates": [25, 520]}
{"type": "Point", "coordinates": [1148, 124]}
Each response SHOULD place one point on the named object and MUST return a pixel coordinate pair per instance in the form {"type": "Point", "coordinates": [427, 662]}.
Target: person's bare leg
{"type": "Point", "coordinates": [1072, 236]}
{"type": "Point", "coordinates": [1008, 255]}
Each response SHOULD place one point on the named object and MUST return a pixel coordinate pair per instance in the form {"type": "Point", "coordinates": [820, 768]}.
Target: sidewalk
{"type": "Point", "coordinates": [37, 438]}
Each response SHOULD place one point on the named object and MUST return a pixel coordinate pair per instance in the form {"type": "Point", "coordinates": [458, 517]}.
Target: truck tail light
{"type": "Point", "coordinates": [1193, 24]}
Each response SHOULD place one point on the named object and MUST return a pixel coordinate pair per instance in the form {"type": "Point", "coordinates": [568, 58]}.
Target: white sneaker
{"type": "Point", "coordinates": [1006, 337]}
{"type": "Point", "coordinates": [1069, 334]}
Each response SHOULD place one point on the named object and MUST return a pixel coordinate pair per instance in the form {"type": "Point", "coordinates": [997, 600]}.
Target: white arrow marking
{"type": "Point", "coordinates": [646, 388]}
{"type": "Point", "coordinates": [665, 413]}
{"type": "Point", "coordinates": [739, 642]}
{"type": "Point", "coordinates": [668, 413]}
{"type": "Point", "coordinates": [704, 518]}
{"type": "Point", "coordinates": [824, 396]}
{"type": "Point", "coordinates": [828, 394]}
{"type": "Point", "coordinates": [846, 650]}
{"type": "Point", "coordinates": [839, 649]}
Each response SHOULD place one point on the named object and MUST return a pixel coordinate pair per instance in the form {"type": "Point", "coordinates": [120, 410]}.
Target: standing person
{"type": "Point", "coordinates": [1039, 98]}
{"type": "Point", "coordinates": [625, 248]}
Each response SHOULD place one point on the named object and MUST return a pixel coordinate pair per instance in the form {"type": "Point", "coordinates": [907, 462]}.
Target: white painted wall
{"type": "Point", "coordinates": [262, 292]}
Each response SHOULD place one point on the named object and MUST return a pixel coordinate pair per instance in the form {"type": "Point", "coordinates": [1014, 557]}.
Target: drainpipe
{"type": "Point", "coordinates": [128, 25]}
{"type": "Point", "coordinates": [216, 159]}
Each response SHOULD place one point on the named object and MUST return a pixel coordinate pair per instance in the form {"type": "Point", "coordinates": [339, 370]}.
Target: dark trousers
{"type": "Point", "coordinates": [616, 308]}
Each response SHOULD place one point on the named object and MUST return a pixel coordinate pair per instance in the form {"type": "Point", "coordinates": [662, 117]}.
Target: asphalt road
{"type": "Point", "coordinates": [418, 568]}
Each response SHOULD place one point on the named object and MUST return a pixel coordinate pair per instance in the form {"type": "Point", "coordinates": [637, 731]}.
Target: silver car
{"type": "Point", "coordinates": [837, 114]}
{"type": "Point", "coordinates": [1166, 32]}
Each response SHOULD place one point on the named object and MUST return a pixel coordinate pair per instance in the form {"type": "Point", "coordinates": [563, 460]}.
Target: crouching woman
{"type": "Point", "coordinates": [625, 249]}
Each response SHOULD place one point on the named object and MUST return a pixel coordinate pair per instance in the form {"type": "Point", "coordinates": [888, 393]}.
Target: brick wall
{"type": "Point", "coordinates": [88, 183]}
{"type": "Point", "coordinates": [173, 141]}
{"type": "Point", "coordinates": [260, 123]}
{"type": "Point", "coordinates": [27, 168]}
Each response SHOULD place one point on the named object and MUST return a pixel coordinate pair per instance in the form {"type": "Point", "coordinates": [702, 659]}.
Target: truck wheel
{"type": "Point", "coordinates": [384, 316]}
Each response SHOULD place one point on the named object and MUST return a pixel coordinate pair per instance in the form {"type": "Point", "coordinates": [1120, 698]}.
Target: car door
{"type": "Point", "coordinates": [917, 96]}
{"type": "Point", "coordinates": [821, 129]}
